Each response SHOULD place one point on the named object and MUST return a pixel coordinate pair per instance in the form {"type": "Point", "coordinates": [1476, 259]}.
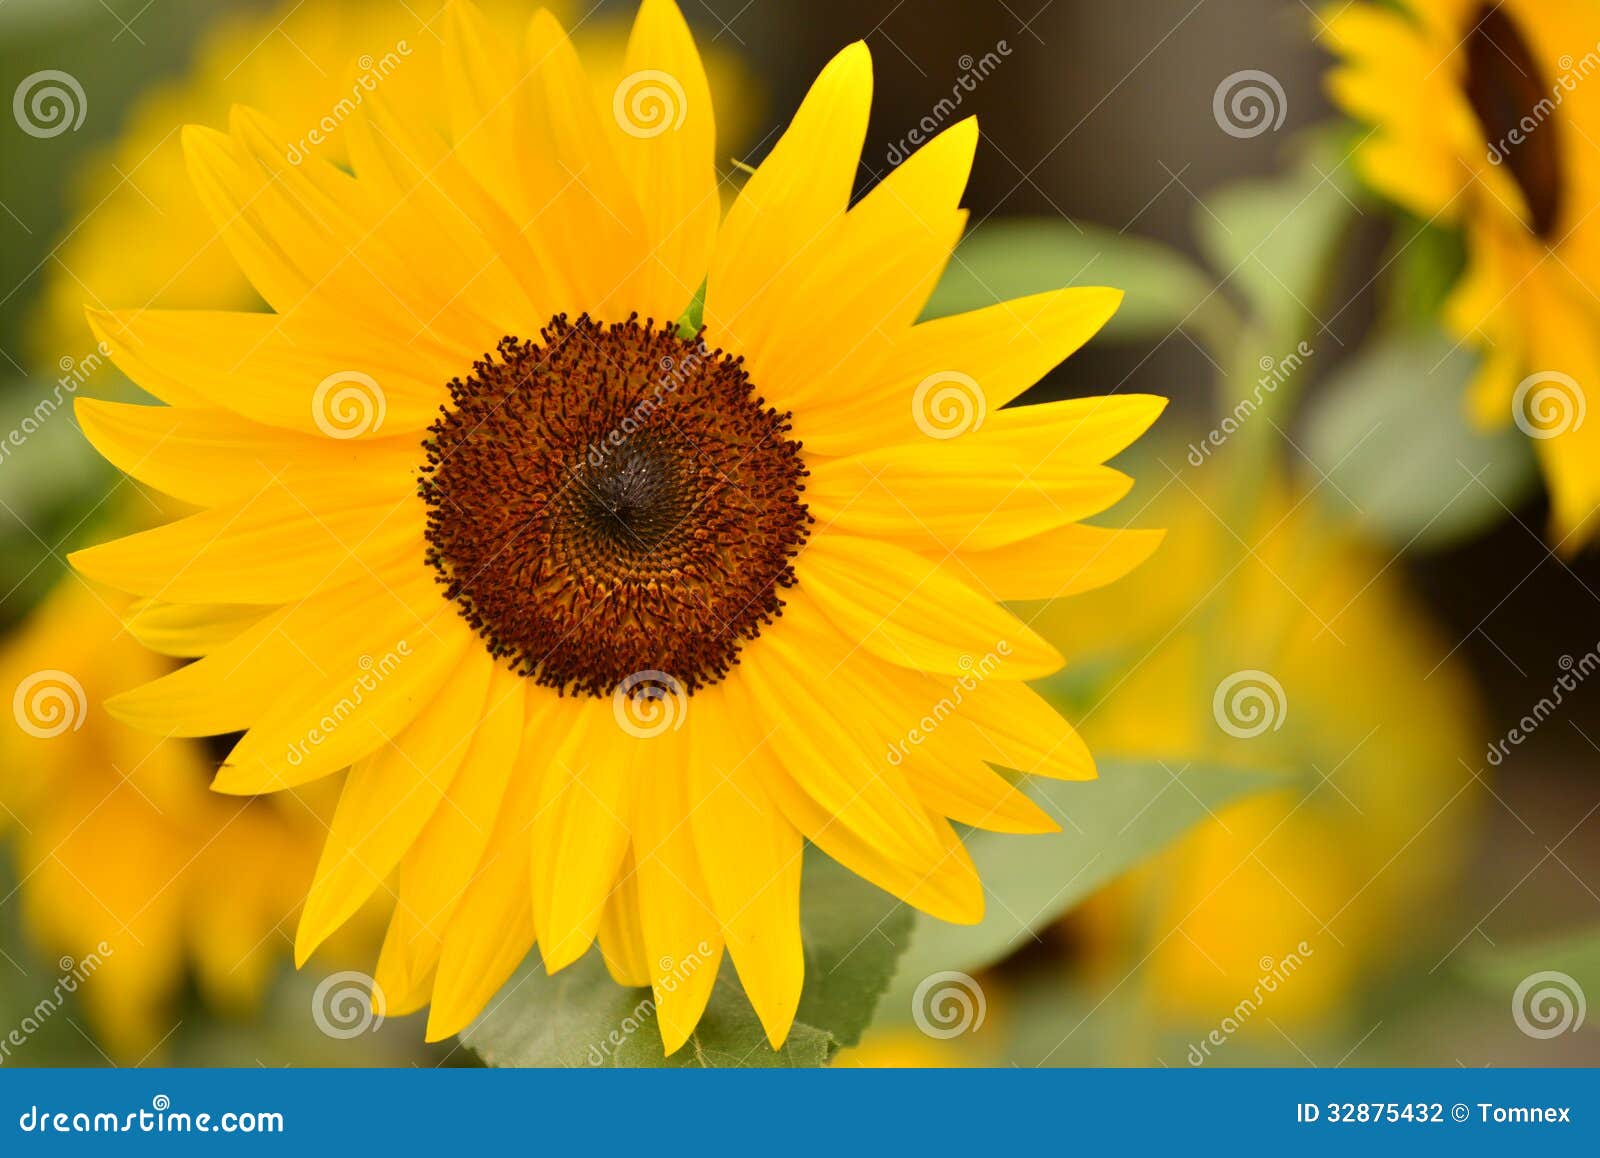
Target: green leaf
{"type": "Point", "coordinates": [1390, 433]}
{"type": "Point", "coordinates": [854, 935]}
{"type": "Point", "coordinates": [1013, 258]}
{"type": "Point", "coordinates": [1108, 825]}
{"type": "Point", "coordinates": [1576, 954]}
{"type": "Point", "coordinates": [1276, 239]}
{"type": "Point", "coordinates": [1424, 261]}
{"type": "Point", "coordinates": [689, 324]}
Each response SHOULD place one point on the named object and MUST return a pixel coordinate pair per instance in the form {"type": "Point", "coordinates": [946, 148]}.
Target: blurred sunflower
{"type": "Point", "coordinates": [125, 858]}
{"type": "Point", "coordinates": [677, 588]}
{"type": "Point", "coordinates": [1486, 116]}
{"type": "Point", "coordinates": [139, 234]}
{"type": "Point", "coordinates": [1299, 653]}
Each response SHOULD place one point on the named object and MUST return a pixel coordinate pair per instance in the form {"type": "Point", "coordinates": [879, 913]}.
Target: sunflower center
{"type": "Point", "coordinates": [613, 500]}
{"type": "Point", "coordinates": [1509, 92]}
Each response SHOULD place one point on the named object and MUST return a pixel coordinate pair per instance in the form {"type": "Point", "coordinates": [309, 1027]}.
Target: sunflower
{"type": "Point", "coordinates": [126, 863]}
{"type": "Point", "coordinates": [605, 619]}
{"type": "Point", "coordinates": [1486, 116]}
{"type": "Point", "coordinates": [1297, 652]}
{"type": "Point", "coordinates": [139, 235]}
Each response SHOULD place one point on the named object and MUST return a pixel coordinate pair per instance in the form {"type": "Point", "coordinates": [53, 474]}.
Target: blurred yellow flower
{"type": "Point", "coordinates": [1487, 116]}
{"type": "Point", "coordinates": [127, 863]}
{"type": "Point", "coordinates": [1299, 652]}
{"type": "Point", "coordinates": [140, 236]}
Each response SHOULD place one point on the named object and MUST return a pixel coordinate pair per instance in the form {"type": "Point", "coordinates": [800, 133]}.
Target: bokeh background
{"type": "Point", "coordinates": [1396, 890]}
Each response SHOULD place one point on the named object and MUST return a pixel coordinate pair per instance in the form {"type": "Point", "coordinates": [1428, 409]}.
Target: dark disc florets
{"type": "Point", "coordinates": [610, 500]}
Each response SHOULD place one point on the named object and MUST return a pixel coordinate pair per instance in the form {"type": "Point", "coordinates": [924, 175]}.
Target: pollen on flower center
{"type": "Point", "coordinates": [1509, 92]}
{"type": "Point", "coordinates": [613, 499]}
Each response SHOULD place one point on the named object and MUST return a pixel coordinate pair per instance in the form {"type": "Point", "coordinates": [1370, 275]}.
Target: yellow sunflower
{"type": "Point", "coordinates": [1486, 116]}
{"type": "Point", "coordinates": [139, 235]}
{"type": "Point", "coordinates": [607, 620]}
{"type": "Point", "coordinates": [126, 863]}
{"type": "Point", "coordinates": [1287, 646]}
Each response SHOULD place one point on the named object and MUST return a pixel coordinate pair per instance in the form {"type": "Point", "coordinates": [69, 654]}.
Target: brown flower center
{"type": "Point", "coordinates": [613, 500]}
{"type": "Point", "coordinates": [1509, 92]}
